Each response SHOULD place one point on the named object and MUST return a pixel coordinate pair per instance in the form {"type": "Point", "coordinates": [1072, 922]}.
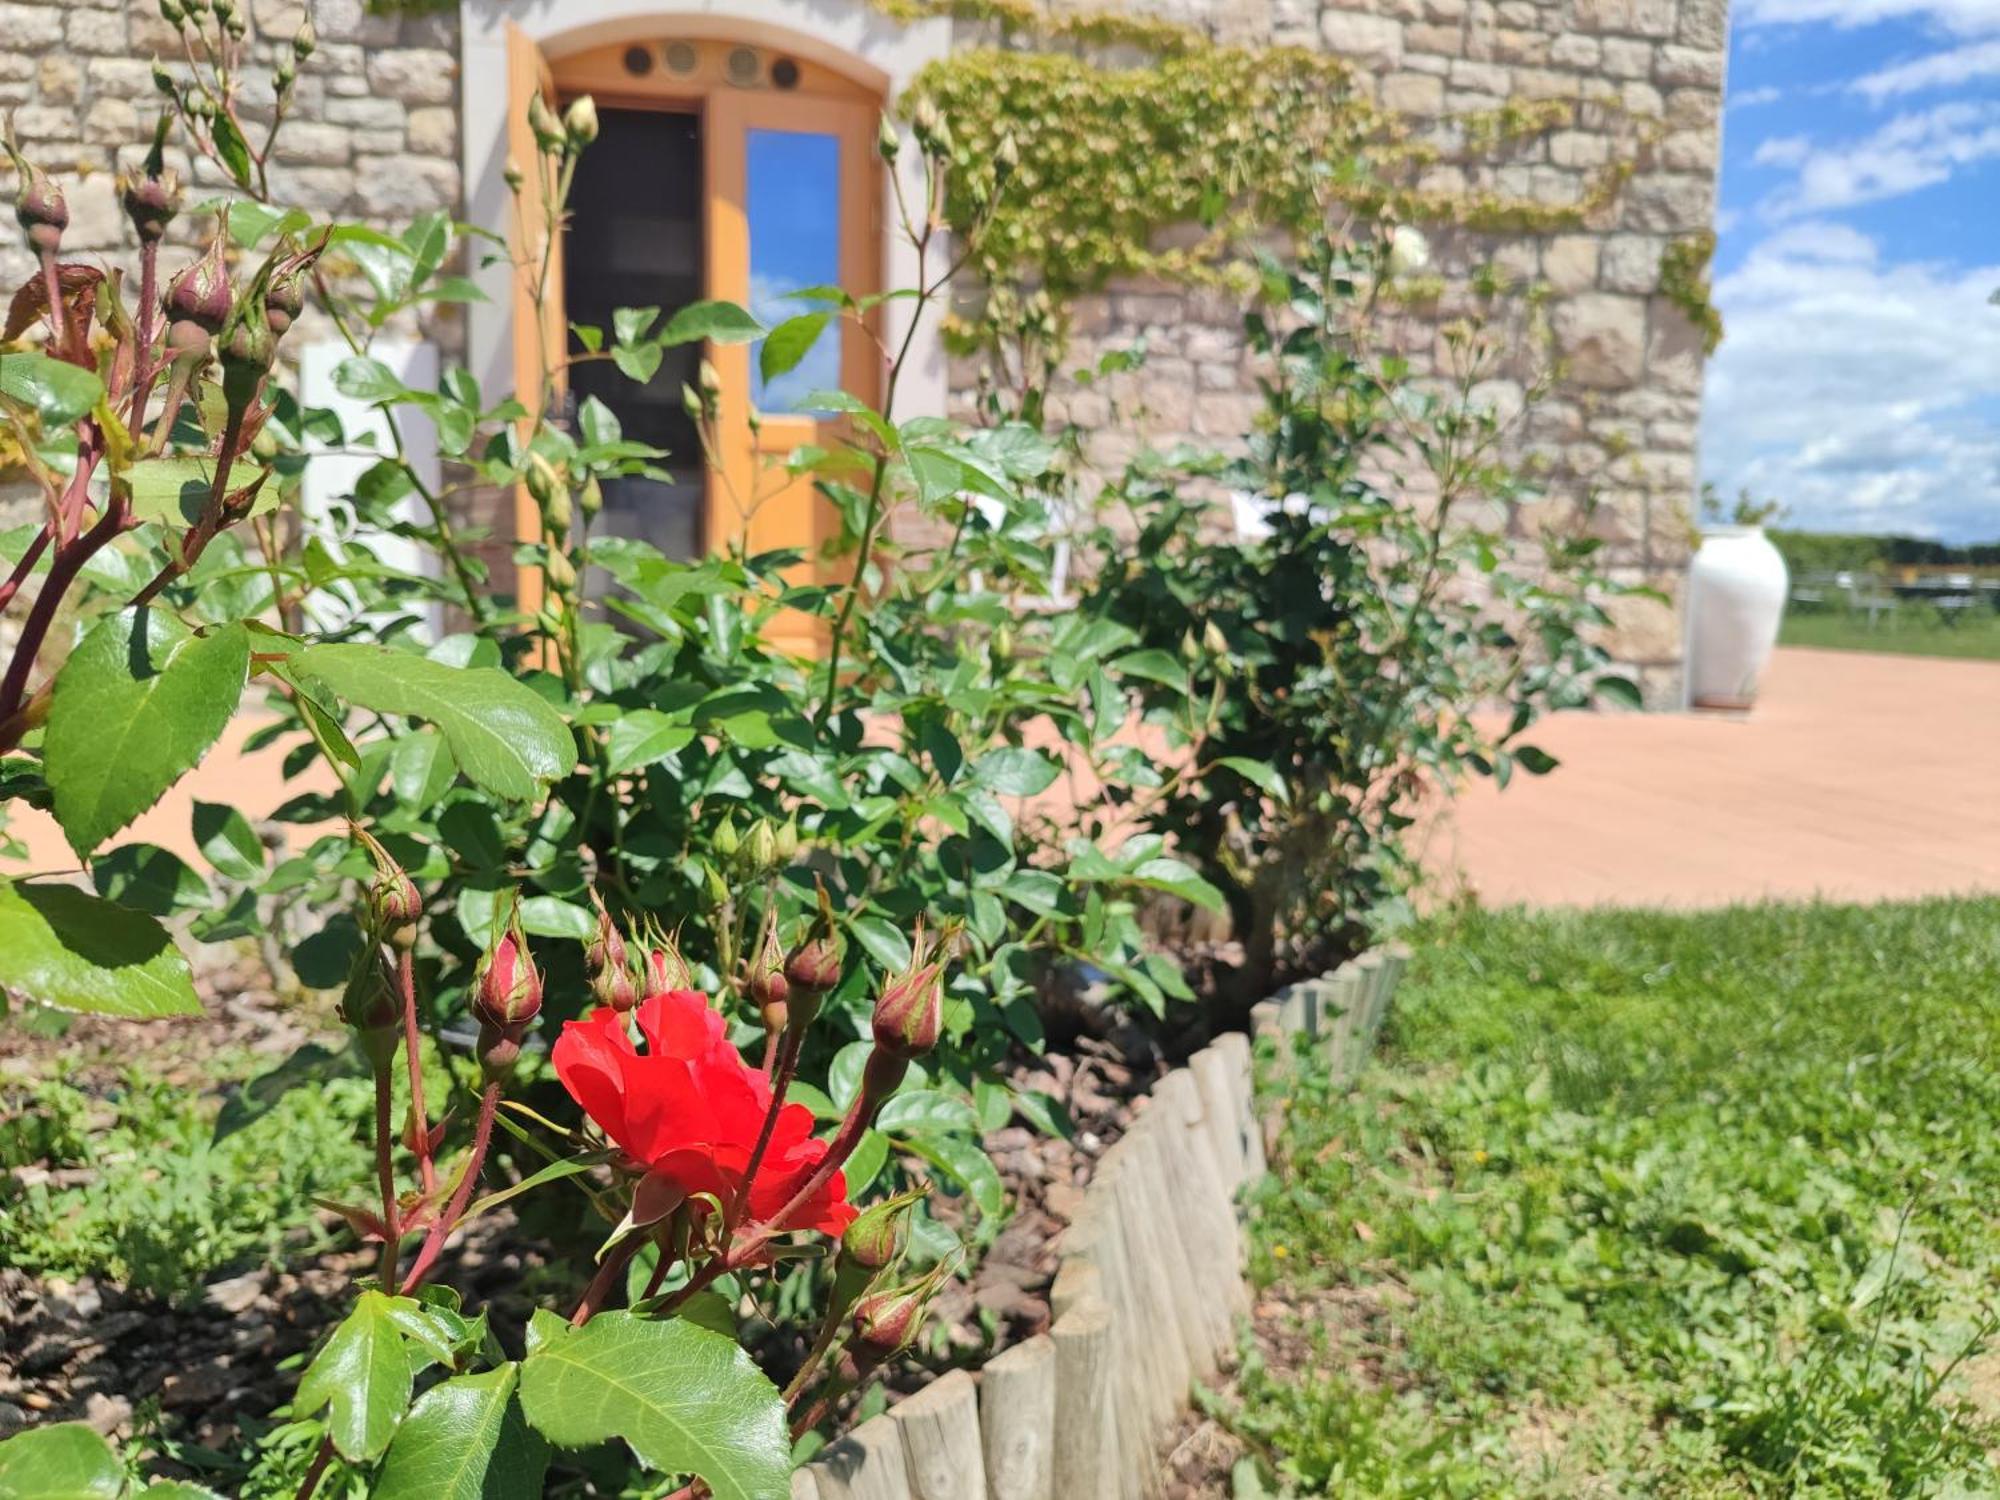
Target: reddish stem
{"type": "Point", "coordinates": [69, 561]}
{"type": "Point", "coordinates": [25, 566]}
{"type": "Point", "coordinates": [385, 1172]}
{"type": "Point", "coordinates": [482, 1138]}
{"type": "Point", "coordinates": [781, 1082]}
{"type": "Point", "coordinates": [606, 1278]}
{"type": "Point", "coordinates": [406, 973]}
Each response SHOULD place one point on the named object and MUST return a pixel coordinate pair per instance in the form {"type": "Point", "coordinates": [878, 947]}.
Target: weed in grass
{"type": "Point", "coordinates": [160, 1204]}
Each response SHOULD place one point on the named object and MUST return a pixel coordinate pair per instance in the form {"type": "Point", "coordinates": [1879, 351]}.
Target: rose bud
{"type": "Point", "coordinates": [580, 121]}
{"type": "Point", "coordinates": [39, 204]}
{"type": "Point", "coordinates": [813, 967]}
{"type": "Point", "coordinates": [885, 1323]}
{"type": "Point", "coordinates": [283, 304]}
{"type": "Point", "coordinates": [666, 970]}
{"type": "Point", "coordinates": [304, 40]}
{"type": "Point", "coordinates": [614, 987]}
{"type": "Point", "coordinates": [512, 175]}
{"type": "Point", "coordinates": [508, 992]}
{"type": "Point", "coordinates": [548, 130]}
{"type": "Point", "coordinates": [767, 984]}
{"type": "Point", "coordinates": [246, 349]}
{"type": "Point", "coordinates": [760, 850]}
{"type": "Point", "coordinates": [197, 301]}
{"type": "Point", "coordinates": [878, 1234]}
{"type": "Point", "coordinates": [606, 949]}
{"type": "Point", "coordinates": [371, 1009]}
{"type": "Point", "coordinates": [909, 1013]}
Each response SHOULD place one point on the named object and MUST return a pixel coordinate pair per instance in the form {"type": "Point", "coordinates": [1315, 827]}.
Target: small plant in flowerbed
{"type": "Point", "coordinates": [1389, 636]}
{"type": "Point", "coordinates": [1638, 1203]}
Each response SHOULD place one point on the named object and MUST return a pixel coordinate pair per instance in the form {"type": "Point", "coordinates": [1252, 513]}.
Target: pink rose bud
{"type": "Point", "coordinates": [909, 1014]}
{"type": "Point", "coordinates": [769, 989]}
{"type": "Point", "coordinates": [878, 1233]}
{"type": "Point", "coordinates": [508, 993]}
{"type": "Point", "coordinates": [607, 946]}
{"type": "Point", "coordinates": [666, 970]}
{"type": "Point", "coordinates": [885, 1323]}
{"type": "Point", "coordinates": [813, 967]}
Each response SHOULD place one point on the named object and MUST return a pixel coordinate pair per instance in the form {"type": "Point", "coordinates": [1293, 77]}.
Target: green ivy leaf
{"type": "Point", "coordinates": [65, 1461]}
{"type": "Point", "coordinates": [134, 708]}
{"type": "Point", "coordinates": [718, 322]}
{"type": "Point", "coordinates": [1014, 772]}
{"type": "Point", "coordinates": [64, 948]}
{"type": "Point", "coordinates": [465, 1440]}
{"type": "Point", "coordinates": [505, 737]}
{"type": "Point", "coordinates": [687, 1400]}
{"type": "Point", "coordinates": [59, 392]}
{"type": "Point", "coordinates": [362, 1377]}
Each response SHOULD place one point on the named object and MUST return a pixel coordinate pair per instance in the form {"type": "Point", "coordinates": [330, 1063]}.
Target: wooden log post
{"type": "Point", "coordinates": [1087, 1461]}
{"type": "Point", "coordinates": [1346, 995]}
{"type": "Point", "coordinates": [1243, 1080]}
{"type": "Point", "coordinates": [867, 1464]}
{"type": "Point", "coordinates": [1017, 1421]}
{"type": "Point", "coordinates": [941, 1447]}
{"type": "Point", "coordinates": [1211, 1070]}
{"type": "Point", "coordinates": [804, 1486]}
{"type": "Point", "coordinates": [1223, 1257]}
{"type": "Point", "coordinates": [1204, 1321]}
{"type": "Point", "coordinates": [1097, 1266]}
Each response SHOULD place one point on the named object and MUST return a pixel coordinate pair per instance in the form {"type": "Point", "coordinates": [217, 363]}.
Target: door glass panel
{"type": "Point", "coordinates": [793, 203]}
{"type": "Point", "coordinates": [635, 240]}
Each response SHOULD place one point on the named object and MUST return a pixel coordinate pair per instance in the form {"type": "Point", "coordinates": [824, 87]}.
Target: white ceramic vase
{"type": "Point", "coordinates": [1736, 597]}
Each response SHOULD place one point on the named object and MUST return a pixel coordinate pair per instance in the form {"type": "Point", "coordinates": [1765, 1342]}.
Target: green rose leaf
{"type": "Point", "coordinates": [134, 708]}
{"type": "Point", "coordinates": [228, 842]}
{"type": "Point", "coordinates": [687, 1400]}
{"type": "Point", "coordinates": [644, 737]}
{"type": "Point", "coordinates": [175, 491]}
{"type": "Point", "coordinates": [504, 737]}
{"type": "Point", "coordinates": [363, 1377]}
{"type": "Point", "coordinates": [148, 878]}
{"type": "Point", "coordinates": [465, 1440]}
{"type": "Point", "coordinates": [64, 948]}
{"type": "Point", "coordinates": [1014, 772]}
{"type": "Point", "coordinates": [59, 392]}
{"type": "Point", "coordinates": [718, 322]}
{"type": "Point", "coordinates": [1259, 775]}
{"type": "Point", "coordinates": [174, 1489]}
{"type": "Point", "coordinates": [66, 1461]}
{"type": "Point", "coordinates": [789, 343]}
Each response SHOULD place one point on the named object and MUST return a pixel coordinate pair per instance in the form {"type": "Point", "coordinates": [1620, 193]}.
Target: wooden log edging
{"type": "Point", "coordinates": [1147, 1293]}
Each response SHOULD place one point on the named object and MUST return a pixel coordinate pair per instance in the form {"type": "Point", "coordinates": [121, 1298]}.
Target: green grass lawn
{"type": "Point", "coordinates": [1635, 1204]}
{"type": "Point", "coordinates": [1914, 629]}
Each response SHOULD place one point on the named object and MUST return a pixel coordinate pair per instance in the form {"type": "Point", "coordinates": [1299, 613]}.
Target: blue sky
{"type": "Point", "coordinates": [1859, 382]}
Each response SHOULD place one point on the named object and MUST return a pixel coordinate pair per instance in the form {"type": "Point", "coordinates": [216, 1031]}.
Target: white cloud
{"type": "Point", "coordinates": [1909, 152]}
{"type": "Point", "coordinates": [1962, 17]}
{"type": "Point", "coordinates": [1751, 98]}
{"type": "Point", "coordinates": [1864, 395]}
{"type": "Point", "coordinates": [1938, 70]}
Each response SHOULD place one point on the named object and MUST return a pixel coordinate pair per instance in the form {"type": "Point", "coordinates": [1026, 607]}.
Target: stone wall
{"type": "Point", "coordinates": [1622, 425]}
{"type": "Point", "coordinates": [375, 136]}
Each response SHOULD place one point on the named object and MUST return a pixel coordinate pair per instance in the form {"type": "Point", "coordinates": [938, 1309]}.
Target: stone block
{"type": "Point", "coordinates": [397, 187]}
{"type": "Point", "coordinates": [1603, 339]}
{"type": "Point", "coordinates": [1413, 94]}
{"type": "Point", "coordinates": [385, 120]}
{"type": "Point", "coordinates": [1670, 202]}
{"type": "Point", "coordinates": [96, 220]}
{"type": "Point", "coordinates": [29, 28]}
{"type": "Point", "coordinates": [1626, 17]}
{"type": "Point", "coordinates": [1579, 148]}
{"type": "Point", "coordinates": [1625, 57]}
{"type": "Point", "coordinates": [111, 122]}
{"type": "Point", "coordinates": [58, 79]}
{"type": "Point", "coordinates": [1699, 67]}
{"type": "Point", "coordinates": [313, 144]}
{"type": "Point", "coordinates": [127, 77]}
{"type": "Point", "coordinates": [1631, 263]}
{"type": "Point", "coordinates": [1645, 629]}
{"type": "Point", "coordinates": [433, 131]}
{"type": "Point", "coordinates": [1575, 50]}
{"type": "Point", "coordinates": [1690, 151]}
{"type": "Point", "coordinates": [96, 31]}
{"type": "Point", "coordinates": [415, 75]}
{"type": "Point", "coordinates": [1705, 24]}
{"type": "Point", "coordinates": [1569, 263]}
{"type": "Point", "coordinates": [1674, 355]}
{"type": "Point", "coordinates": [1362, 38]}
{"type": "Point", "coordinates": [1434, 40]}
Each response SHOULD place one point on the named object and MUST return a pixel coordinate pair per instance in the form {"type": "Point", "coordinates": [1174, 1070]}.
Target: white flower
{"type": "Point", "coordinates": [1409, 251]}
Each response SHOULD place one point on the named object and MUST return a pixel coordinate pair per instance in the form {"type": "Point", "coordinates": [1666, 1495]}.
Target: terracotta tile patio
{"type": "Point", "coordinates": [1857, 777]}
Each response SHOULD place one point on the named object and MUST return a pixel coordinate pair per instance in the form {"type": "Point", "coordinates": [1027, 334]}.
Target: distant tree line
{"type": "Point", "coordinates": [1833, 552]}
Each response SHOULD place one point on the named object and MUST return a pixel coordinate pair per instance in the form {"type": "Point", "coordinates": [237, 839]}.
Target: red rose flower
{"type": "Point", "coordinates": [689, 1110]}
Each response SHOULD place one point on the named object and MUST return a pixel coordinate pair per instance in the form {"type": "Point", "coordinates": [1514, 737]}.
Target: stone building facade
{"type": "Point", "coordinates": [385, 115]}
